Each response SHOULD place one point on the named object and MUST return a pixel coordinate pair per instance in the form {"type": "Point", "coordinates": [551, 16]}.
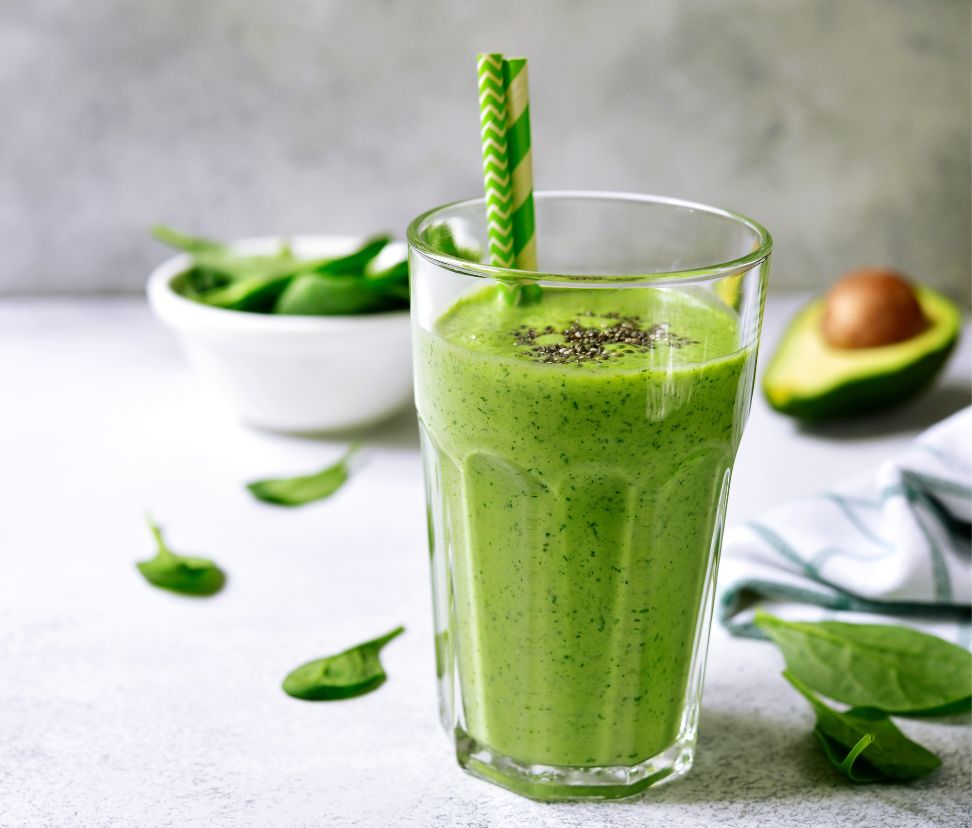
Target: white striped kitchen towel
{"type": "Point", "coordinates": [891, 546]}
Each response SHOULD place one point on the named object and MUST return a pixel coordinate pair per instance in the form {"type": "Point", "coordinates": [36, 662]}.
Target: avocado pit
{"type": "Point", "coordinates": [871, 307]}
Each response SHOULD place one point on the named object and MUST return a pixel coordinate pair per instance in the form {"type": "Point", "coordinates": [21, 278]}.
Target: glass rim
{"type": "Point", "coordinates": [701, 274]}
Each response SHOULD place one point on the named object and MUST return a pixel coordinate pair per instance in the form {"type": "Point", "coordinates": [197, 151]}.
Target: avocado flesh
{"type": "Point", "coordinates": [809, 379]}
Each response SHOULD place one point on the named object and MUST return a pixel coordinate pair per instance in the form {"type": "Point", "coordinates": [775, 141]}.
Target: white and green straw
{"type": "Point", "coordinates": [496, 165]}
{"type": "Point", "coordinates": [504, 112]}
{"type": "Point", "coordinates": [521, 161]}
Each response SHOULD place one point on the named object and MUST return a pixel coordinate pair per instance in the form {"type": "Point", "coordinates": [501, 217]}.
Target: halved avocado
{"type": "Point", "coordinates": [812, 380]}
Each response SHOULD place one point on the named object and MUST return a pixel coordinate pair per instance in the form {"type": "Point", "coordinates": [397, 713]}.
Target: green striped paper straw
{"type": "Point", "coordinates": [520, 160]}
{"type": "Point", "coordinates": [496, 166]}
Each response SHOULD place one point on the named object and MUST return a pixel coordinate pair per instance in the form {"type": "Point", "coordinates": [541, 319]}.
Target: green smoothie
{"type": "Point", "coordinates": [582, 447]}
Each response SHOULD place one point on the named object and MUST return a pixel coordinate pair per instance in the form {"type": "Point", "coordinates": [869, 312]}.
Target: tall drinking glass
{"type": "Point", "coordinates": [579, 426]}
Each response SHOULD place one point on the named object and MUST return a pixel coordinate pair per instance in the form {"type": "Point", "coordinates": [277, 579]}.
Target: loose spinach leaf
{"type": "Point", "coordinates": [180, 573]}
{"type": "Point", "coordinates": [862, 771]}
{"type": "Point", "coordinates": [953, 712]}
{"type": "Point", "coordinates": [296, 491]}
{"type": "Point", "coordinates": [354, 672]}
{"type": "Point", "coordinates": [183, 241]}
{"type": "Point", "coordinates": [892, 668]}
{"type": "Point", "coordinates": [864, 743]}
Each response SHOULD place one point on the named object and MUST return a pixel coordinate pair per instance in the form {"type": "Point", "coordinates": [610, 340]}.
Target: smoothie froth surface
{"type": "Point", "coordinates": [485, 323]}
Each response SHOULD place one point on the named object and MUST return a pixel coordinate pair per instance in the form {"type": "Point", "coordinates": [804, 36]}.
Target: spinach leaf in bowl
{"type": "Point", "coordinates": [286, 284]}
{"type": "Point", "coordinates": [316, 294]}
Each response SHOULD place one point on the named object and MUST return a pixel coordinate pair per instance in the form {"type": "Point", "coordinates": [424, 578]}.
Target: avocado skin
{"type": "Point", "coordinates": [864, 395]}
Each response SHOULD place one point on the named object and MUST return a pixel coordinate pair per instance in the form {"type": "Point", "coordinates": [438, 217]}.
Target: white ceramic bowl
{"type": "Point", "coordinates": [294, 373]}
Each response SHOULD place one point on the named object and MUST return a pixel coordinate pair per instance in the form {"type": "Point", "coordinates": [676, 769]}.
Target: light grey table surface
{"type": "Point", "coordinates": [124, 705]}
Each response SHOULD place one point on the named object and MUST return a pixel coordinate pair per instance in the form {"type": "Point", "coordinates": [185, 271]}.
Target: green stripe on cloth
{"type": "Point", "coordinates": [941, 580]}
{"type": "Point", "coordinates": [958, 530]}
{"type": "Point", "coordinates": [769, 589]}
{"type": "Point", "coordinates": [844, 504]}
{"type": "Point", "coordinates": [937, 484]}
{"type": "Point", "coordinates": [733, 601]}
{"type": "Point", "coordinates": [925, 482]}
{"type": "Point", "coordinates": [859, 502]}
{"type": "Point", "coordinates": [824, 555]}
{"type": "Point", "coordinates": [778, 544]}
{"type": "Point", "coordinates": [943, 457]}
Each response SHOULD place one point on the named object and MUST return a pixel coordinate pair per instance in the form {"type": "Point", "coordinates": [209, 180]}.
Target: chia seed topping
{"type": "Point", "coordinates": [582, 344]}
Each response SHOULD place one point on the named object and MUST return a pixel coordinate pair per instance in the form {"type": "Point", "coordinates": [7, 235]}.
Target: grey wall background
{"type": "Point", "coordinates": [843, 125]}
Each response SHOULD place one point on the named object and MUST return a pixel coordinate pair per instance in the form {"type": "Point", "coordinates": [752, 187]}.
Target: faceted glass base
{"type": "Point", "coordinates": [549, 783]}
